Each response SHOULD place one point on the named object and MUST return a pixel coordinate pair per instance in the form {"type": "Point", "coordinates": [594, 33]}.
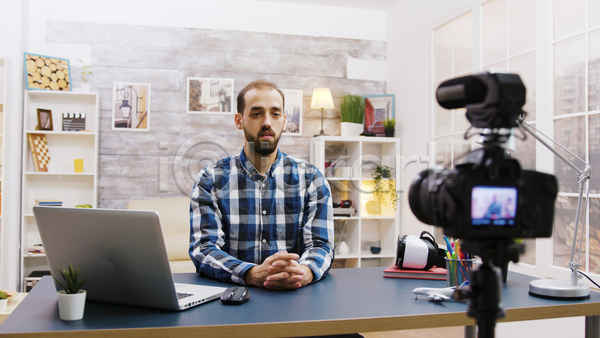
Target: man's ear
{"type": "Point", "coordinates": [238, 121]}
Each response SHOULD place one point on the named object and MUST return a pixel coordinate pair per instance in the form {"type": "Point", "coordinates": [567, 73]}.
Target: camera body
{"type": "Point", "coordinates": [487, 196]}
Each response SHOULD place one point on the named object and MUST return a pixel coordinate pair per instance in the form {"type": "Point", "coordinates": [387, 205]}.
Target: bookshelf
{"type": "Point", "coordinates": [60, 182]}
{"type": "Point", "coordinates": [352, 179]}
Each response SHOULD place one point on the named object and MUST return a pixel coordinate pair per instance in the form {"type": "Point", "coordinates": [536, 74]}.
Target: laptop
{"type": "Point", "coordinates": [124, 253]}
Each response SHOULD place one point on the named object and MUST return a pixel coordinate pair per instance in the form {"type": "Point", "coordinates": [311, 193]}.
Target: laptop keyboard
{"type": "Point", "coordinates": [182, 295]}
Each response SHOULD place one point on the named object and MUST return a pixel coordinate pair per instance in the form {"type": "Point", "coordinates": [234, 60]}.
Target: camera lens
{"type": "Point", "coordinates": [419, 197]}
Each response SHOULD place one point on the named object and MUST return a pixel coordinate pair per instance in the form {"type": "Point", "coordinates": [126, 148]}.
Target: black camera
{"type": "Point", "coordinates": [487, 199]}
{"type": "Point", "coordinates": [488, 195]}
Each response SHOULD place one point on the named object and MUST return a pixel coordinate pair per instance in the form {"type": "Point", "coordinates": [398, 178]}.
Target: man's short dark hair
{"type": "Point", "coordinates": [258, 84]}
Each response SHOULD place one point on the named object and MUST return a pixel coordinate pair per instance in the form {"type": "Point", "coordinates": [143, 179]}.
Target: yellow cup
{"type": "Point", "coordinates": [78, 165]}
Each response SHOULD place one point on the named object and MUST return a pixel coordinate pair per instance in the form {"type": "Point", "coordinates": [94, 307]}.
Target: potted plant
{"type": "Point", "coordinates": [85, 87]}
{"type": "Point", "coordinates": [389, 126]}
{"type": "Point", "coordinates": [352, 111]}
{"type": "Point", "coordinates": [71, 299]}
{"type": "Point", "coordinates": [384, 187]}
{"type": "Point", "coordinates": [3, 300]}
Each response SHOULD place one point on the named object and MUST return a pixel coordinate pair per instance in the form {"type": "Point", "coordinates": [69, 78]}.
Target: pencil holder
{"type": "Point", "coordinates": [458, 271]}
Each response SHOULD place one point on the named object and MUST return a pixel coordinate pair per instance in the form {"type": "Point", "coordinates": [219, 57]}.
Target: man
{"type": "Point", "coordinates": [262, 218]}
{"type": "Point", "coordinates": [494, 209]}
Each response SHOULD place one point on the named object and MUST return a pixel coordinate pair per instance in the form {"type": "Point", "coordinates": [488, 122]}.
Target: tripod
{"type": "Point", "coordinates": [485, 289]}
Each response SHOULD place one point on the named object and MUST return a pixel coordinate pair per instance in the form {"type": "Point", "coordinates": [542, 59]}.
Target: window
{"type": "Point", "coordinates": [576, 120]}
{"type": "Point", "coordinates": [452, 58]}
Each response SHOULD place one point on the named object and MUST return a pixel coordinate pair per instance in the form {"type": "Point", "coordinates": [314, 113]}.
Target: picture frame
{"type": "Point", "coordinates": [46, 72]}
{"type": "Point", "coordinates": [293, 111]}
{"type": "Point", "coordinates": [209, 96]}
{"type": "Point", "coordinates": [131, 106]}
{"type": "Point", "coordinates": [377, 109]}
{"type": "Point", "coordinates": [44, 119]}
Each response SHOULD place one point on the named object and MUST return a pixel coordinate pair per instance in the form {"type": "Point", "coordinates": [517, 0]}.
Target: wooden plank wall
{"type": "Point", "coordinates": [163, 161]}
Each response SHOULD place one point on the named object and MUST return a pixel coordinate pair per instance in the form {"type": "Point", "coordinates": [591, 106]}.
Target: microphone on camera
{"type": "Point", "coordinates": [459, 92]}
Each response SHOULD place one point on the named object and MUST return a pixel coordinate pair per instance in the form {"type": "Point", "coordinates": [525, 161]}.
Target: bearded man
{"type": "Point", "coordinates": [262, 218]}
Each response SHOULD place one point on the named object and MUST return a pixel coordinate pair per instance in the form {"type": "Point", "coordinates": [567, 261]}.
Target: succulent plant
{"type": "Point", "coordinates": [389, 123]}
{"type": "Point", "coordinates": [3, 294]}
{"type": "Point", "coordinates": [71, 278]}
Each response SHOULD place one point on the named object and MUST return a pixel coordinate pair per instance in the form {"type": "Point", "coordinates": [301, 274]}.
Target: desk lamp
{"type": "Point", "coordinates": [322, 99]}
{"type": "Point", "coordinates": [557, 288]}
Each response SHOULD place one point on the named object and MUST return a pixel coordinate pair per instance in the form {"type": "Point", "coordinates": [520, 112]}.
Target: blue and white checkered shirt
{"type": "Point", "coordinates": [239, 218]}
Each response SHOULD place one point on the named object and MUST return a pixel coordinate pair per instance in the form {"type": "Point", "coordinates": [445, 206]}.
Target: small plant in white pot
{"type": "Point", "coordinates": [3, 300]}
{"type": "Point", "coordinates": [85, 87]}
{"type": "Point", "coordinates": [71, 299]}
{"type": "Point", "coordinates": [352, 111]}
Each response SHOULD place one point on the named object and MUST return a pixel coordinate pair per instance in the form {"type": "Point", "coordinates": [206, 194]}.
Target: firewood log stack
{"type": "Point", "coordinates": [47, 73]}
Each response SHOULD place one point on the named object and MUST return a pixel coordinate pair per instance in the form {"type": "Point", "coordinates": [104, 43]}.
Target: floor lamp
{"type": "Point", "coordinates": [557, 288]}
{"type": "Point", "coordinates": [322, 99]}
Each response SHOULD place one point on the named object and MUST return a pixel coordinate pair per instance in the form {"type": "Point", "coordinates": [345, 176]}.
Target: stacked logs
{"type": "Point", "coordinates": [47, 73]}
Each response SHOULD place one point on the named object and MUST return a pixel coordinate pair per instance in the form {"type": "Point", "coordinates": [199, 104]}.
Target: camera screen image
{"type": "Point", "coordinates": [491, 205]}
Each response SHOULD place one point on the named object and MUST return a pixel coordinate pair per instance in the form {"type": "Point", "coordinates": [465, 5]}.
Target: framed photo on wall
{"type": "Point", "coordinates": [377, 109]}
{"type": "Point", "coordinates": [131, 106]}
{"type": "Point", "coordinates": [44, 119]}
{"type": "Point", "coordinates": [293, 111]}
{"type": "Point", "coordinates": [46, 73]}
{"type": "Point", "coordinates": [209, 96]}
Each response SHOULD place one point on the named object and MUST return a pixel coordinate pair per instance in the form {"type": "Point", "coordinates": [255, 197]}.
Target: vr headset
{"type": "Point", "coordinates": [419, 253]}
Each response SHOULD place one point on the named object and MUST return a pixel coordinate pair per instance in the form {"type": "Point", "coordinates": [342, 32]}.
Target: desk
{"type": "Point", "coordinates": [347, 301]}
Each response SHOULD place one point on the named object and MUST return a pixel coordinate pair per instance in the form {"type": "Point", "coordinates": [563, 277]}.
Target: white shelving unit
{"type": "Point", "coordinates": [363, 229]}
{"type": "Point", "coordinates": [3, 95]}
{"type": "Point", "coordinates": [63, 147]}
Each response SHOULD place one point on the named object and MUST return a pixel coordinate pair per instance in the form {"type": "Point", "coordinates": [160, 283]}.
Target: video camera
{"type": "Point", "coordinates": [487, 199]}
{"type": "Point", "coordinates": [487, 195]}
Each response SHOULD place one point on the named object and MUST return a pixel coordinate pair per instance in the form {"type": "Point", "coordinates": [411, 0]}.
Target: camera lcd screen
{"type": "Point", "coordinates": [496, 206]}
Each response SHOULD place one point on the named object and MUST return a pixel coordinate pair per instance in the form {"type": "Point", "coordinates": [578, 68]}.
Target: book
{"type": "Point", "coordinates": [48, 202]}
{"type": "Point", "coordinates": [434, 273]}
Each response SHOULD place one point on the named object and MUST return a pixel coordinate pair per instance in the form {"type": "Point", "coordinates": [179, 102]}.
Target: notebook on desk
{"type": "Point", "coordinates": [124, 253]}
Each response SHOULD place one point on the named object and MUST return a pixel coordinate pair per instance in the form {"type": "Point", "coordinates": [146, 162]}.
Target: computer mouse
{"type": "Point", "coordinates": [235, 295]}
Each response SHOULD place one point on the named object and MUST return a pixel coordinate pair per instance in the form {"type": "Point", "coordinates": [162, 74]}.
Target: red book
{"type": "Point", "coordinates": [434, 273]}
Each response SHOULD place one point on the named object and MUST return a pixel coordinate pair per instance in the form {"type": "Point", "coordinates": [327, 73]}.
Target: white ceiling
{"type": "Point", "coordinates": [364, 4]}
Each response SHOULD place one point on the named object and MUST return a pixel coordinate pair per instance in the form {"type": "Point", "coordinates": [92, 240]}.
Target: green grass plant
{"type": "Point", "coordinates": [352, 108]}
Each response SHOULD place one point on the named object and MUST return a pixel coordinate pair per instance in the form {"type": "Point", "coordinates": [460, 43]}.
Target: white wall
{"type": "Point", "coordinates": [409, 31]}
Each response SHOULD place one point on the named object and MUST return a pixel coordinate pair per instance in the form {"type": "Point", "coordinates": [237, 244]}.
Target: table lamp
{"type": "Point", "coordinates": [557, 288]}
{"type": "Point", "coordinates": [322, 99]}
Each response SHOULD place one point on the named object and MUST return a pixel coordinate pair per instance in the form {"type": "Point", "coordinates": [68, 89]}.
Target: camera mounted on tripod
{"type": "Point", "coordinates": [487, 200]}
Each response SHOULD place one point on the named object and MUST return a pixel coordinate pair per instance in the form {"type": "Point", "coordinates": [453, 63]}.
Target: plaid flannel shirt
{"type": "Point", "coordinates": [238, 217]}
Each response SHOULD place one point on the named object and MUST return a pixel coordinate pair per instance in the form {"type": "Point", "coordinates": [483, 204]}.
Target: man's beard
{"type": "Point", "coordinates": [263, 147]}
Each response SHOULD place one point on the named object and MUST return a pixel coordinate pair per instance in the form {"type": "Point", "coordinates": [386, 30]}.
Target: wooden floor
{"type": "Point", "coordinates": [446, 332]}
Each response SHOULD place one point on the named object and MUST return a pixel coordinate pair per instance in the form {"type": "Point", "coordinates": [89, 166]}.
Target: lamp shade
{"type": "Point", "coordinates": [322, 99]}
{"type": "Point", "coordinates": [125, 109]}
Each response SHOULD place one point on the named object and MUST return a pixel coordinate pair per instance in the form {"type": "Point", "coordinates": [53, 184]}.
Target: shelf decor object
{"type": "Point", "coordinates": [39, 151]}
{"type": "Point", "coordinates": [73, 121]}
{"type": "Point", "coordinates": [322, 99]}
{"type": "Point", "coordinates": [44, 118]}
{"type": "Point", "coordinates": [352, 113]}
{"type": "Point", "coordinates": [47, 72]}
{"type": "Point", "coordinates": [85, 87]}
{"type": "Point", "coordinates": [378, 108]}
